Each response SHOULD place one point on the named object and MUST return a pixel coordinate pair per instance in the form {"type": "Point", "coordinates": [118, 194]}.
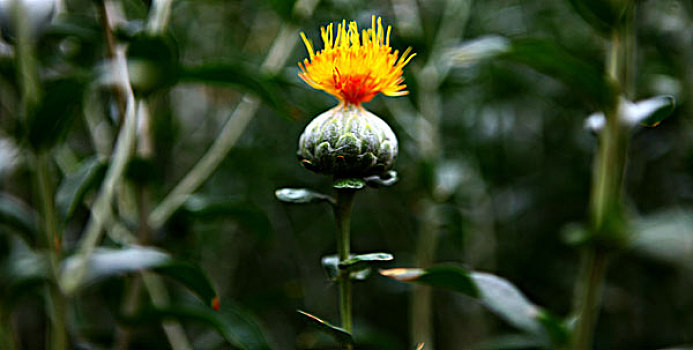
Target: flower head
{"type": "Point", "coordinates": [352, 67]}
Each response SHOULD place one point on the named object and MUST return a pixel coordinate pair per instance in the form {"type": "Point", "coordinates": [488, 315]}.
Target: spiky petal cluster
{"type": "Point", "coordinates": [348, 141]}
{"type": "Point", "coordinates": [352, 67]}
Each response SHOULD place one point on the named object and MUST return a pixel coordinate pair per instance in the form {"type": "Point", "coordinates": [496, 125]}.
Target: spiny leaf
{"type": "Point", "coordinates": [339, 334]}
{"type": "Point", "coordinates": [301, 196]}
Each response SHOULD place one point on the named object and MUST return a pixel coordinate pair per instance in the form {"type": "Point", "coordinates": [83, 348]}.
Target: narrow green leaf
{"type": "Point", "coordinates": [453, 278]}
{"type": "Point", "coordinates": [602, 15]}
{"type": "Point", "coordinates": [512, 342]}
{"type": "Point", "coordinates": [653, 111]}
{"type": "Point", "coordinates": [550, 59]}
{"type": "Point", "coordinates": [384, 180]}
{"type": "Point", "coordinates": [75, 186]}
{"type": "Point", "coordinates": [301, 196]}
{"type": "Point", "coordinates": [18, 218]}
{"type": "Point", "coordinates": [506, 301]}
{"type": "Point", "coordinates": [21, 274]}
{"type": "Point", "coordinates": [349, 184]}
{"type": "Point", "coordinates": [495, 293]}
{"type": "Point", "coordinates": [555, 328]}
{"type": "Point", "coordinates": [331, 265]}
{"type": "Point", "coordinates": [237, 326]}
{"type": "Point", "coordinates": [666, 236]}
{"type": "Point", "coordinates": [152, 63]}
{"type": "Point", "coordinates": [192, 277]}
{"type": "Point", "coordinates": [356, 262]}
{"type": "Point", "coordinates": [246, 214]}
{"type": "Point", "coordinates": [339, 334]}
{"type": "Point", "coordinates": [109, 262]}
{"type": "Point", "coordinates": [236, 75]}
{"type": "Point", "coordinates": [478, 49]}
{"type": "Point", "coordinates": [51, 120]}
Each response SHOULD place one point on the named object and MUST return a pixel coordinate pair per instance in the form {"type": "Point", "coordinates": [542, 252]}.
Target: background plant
{"type": "Point", "coordinates": [512, 172]}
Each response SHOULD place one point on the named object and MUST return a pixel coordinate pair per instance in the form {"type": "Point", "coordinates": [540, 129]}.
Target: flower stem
{"type": "Point", "coordinates": [342, 213]}
{"type": "Point", "coordinates": [606, 203]}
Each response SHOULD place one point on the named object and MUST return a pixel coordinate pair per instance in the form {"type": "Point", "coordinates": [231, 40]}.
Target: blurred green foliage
{"type": "Point", "coordinates": [513, 171]}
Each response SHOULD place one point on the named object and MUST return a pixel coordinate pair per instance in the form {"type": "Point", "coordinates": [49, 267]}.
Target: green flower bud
{"type": "Point", "coordinates": [347, 141]}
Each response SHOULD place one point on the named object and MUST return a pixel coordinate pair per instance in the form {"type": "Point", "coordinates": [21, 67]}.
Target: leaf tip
{"type": "Point", "coordinates": [215, 304]}
{"type": "Point", "coordinates": [403, 274]}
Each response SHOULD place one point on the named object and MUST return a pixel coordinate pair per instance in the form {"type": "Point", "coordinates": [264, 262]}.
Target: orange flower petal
{"type": "Point", "coordinates": [352, 67]}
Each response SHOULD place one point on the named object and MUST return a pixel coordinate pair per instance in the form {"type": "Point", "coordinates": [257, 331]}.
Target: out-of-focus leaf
{"type": "Point", "coordinates": [301, 196]}
{"type": "Point", "coordinates": [18, 218]}
{"type": "Point", "coordinates": [356, 262]}
{"type": "Point", "coordinates": [192, 277]}
{"type": "Point", "coordinates": [20, 274]}
{"type": "Point", "coordinates": [152, 63]}
{"type": "Point", "coordinates": [650, 113]}
{"type": "Point", "coordinates": [75, 186]}
{"type": "Point", "coordinates": [506, 301]}
{"type": "Point", "coordinates": [653, 111]}
{"type": "Point", "coordinates": [511, 342]}
{"type": "Point", "coordinates": [142, 171]}
{"type": "Point", "coordinates": [8, 72]}
{"type": "Point", "coordinates": [283, 8]}
{"type": "Point", "coordinates": [237, 326]}
{"type": "Point", "coordinates": [603, 15]}
{"type": "Point", "coordinates": [554, 61]}
{"type": "Point", "coordinates": [331, 265]}
{"type": "Point", "coordinates": [555, 328]}
{"type": "Point", "coordinates": [236, 75]}
{"type": "Point", "coordinates": [52, 118]}
{"type": "Point", "coordinates": [109, 262]}
{"type": "Point", "coordinates": [667, 236]}
{"type": "Point", "coordinates": [495, 293]}
{"type": "Point", "coordinates": [339, 334]}
{"type": "Point", "coordinates": [384, 180]}
{"type": "Point", "coordinates": [473, 51]}
{"type": "Point", "coordinates": [349, 184]}
{"type": "Point", "coordinates": [448, 277]}
{"type": "Point", "coordinates": [244, 213]}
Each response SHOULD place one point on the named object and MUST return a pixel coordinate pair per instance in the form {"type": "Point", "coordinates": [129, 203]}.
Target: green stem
{"type": "Point", "coordinates": [7, 340]}
{"type": "Point", "coordinates": [58, 338]}
{"type": "Point", "coordinates": [606, 212]}
{"type": "Point", "coordinates": [342, 213]}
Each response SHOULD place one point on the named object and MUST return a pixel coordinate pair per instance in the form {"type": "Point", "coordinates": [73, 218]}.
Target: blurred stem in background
{"type": "Point", "coordinates": [30, 94]}
{"type": "Point", "coordinates": [429, 78]}
{"type": "Point", "coordinates": [279, 52]}
{"type": "Point", "coordinates": [342, 213]}
{"type": "Point", "coordinates": [607, 218]}
{"type": "Point", "coordinates": [57, 302]}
